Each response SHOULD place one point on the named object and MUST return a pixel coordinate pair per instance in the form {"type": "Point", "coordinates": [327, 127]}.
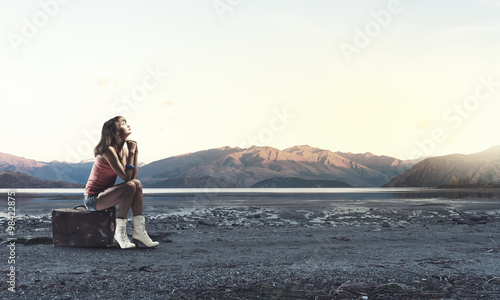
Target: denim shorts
{"type": "Point", "coordinates": [90, 202]}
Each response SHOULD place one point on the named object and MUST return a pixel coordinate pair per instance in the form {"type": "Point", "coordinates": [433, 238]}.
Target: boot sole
{"type": "Point", "coordinates": [136, 242]}
{"type": "Point", "coordinates": [120, 247]}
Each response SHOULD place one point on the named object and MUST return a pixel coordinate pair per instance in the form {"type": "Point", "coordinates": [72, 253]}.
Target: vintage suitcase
{"type": "Point", "coordinates": [83, 228]}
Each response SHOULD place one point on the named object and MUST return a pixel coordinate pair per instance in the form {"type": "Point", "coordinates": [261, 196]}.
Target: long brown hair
{"type": "Point", "coordinates": [109, 136]}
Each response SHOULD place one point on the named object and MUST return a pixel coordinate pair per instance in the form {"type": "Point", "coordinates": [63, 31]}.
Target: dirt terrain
{"type": "Point", "coordinates": [377, 250]}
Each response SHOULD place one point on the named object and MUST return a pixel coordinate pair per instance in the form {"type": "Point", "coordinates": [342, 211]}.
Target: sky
{"type": "Point", "coordinates": [399, 78]}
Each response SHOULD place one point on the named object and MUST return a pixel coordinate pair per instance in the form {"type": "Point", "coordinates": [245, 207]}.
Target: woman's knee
{"type": "Point", "coordinates": [130, 186]}
{"type": "Point", "coordinates": [137, 183]}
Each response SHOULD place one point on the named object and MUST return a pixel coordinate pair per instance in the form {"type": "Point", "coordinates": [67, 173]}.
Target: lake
{"type": "Point", "coordinates": [43, 201]}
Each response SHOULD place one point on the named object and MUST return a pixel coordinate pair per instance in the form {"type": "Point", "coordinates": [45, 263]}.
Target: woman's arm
{"type": "Point", "coordinates": [136, 164]}
{"type": "Point", "coordinates": [117, 166]}
{"type": "Point", "coordinates": [132, 157]}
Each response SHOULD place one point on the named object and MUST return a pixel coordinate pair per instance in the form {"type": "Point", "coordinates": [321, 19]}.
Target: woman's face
{"type": "Point", "coordinates": [124, 129]}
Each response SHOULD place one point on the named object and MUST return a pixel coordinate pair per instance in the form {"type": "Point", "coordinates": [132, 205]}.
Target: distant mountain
{"type": "Point", "coordinates": [386, 165]}
{"type": "Point", "coordinates": [232, 167]}
{"type": "Point", "coordinates": [69, 172]}
{"type": "Point", "coordinates": [246, 167]}
{"type": "Point", "coordinates": [11, 179]}
{"type": "Point", "coordinates": [435, 171]}
{"type": "Point", "coordinates": [281, 182]}
{"type": "Point", "coordinates": [192, 182]}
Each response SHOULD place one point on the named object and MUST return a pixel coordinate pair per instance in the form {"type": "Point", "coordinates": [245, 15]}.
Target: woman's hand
{"type": "Point", "coordinates": [132, 146]}
{"type": "Point", "coordinates": [132, 158]}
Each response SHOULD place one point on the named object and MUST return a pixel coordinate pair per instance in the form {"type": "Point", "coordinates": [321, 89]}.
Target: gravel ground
{"type": "Point", "coordinates": [376, 251]}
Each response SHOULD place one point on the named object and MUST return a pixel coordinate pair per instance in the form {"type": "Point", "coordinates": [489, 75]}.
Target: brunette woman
{"type": "Point", "coordinates": [112, 159]}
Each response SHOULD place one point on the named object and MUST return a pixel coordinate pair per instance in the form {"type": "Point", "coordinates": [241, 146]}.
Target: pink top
{"type": "Point", "coordinates": [101, 177]}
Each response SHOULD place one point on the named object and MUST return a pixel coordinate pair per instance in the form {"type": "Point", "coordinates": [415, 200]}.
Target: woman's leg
{"type": "Point", "coordinates": [121, 194]}
{"type": "Point", "coordinates": [137, 201]}
{"type": "Point", "coordinates": [140, 234]}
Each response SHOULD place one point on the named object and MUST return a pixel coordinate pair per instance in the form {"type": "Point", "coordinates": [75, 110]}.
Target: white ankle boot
{"type": "Point", "coordinates": [121, 234]}
{"type": "Point", "coordinates": [140, 234]}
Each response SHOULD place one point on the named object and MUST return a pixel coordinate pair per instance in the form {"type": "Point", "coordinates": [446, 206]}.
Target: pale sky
{"type": "Point", "coordinates": [399, 78]}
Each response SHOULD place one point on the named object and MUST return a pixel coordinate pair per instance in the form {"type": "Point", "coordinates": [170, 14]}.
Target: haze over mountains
{"type": "Point", "coordinates": [69, 172]}
{"type": "Point", "coordinates": [12, 179]}
{"type": "Point", "coordinates": [434, 171]}
{"type": "Point", "coordinates": [298, 166]}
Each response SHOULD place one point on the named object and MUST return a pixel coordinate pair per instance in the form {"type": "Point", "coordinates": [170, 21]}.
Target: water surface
{"type": "Point", "coordinates": [43, 201]}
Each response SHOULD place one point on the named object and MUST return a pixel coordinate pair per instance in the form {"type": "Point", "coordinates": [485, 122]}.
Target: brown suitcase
{"type": "Point", "coordinates": [73, 227]}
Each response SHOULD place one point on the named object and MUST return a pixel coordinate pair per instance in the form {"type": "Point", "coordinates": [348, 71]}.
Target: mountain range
{"type": "Point", "coordinates": [63, 171]}
{"type": "Point", "coordinates": [298, 166]}
{"type": "Point", "coordinates": [483, 167]}
{"type": "Point", "coordinates": [237, 167]}
{"type": "Point", "coordinates": [12, 179]}
{"type": "Point", "coordinates": [234, 167]}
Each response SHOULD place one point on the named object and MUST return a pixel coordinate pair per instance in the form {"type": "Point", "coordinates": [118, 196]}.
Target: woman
{"type": "Point", "coordinates": [113, 160]}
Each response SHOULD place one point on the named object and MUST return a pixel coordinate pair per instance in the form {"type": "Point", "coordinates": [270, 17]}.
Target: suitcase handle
{"type": "Point", "coordinates": [80, 205]}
